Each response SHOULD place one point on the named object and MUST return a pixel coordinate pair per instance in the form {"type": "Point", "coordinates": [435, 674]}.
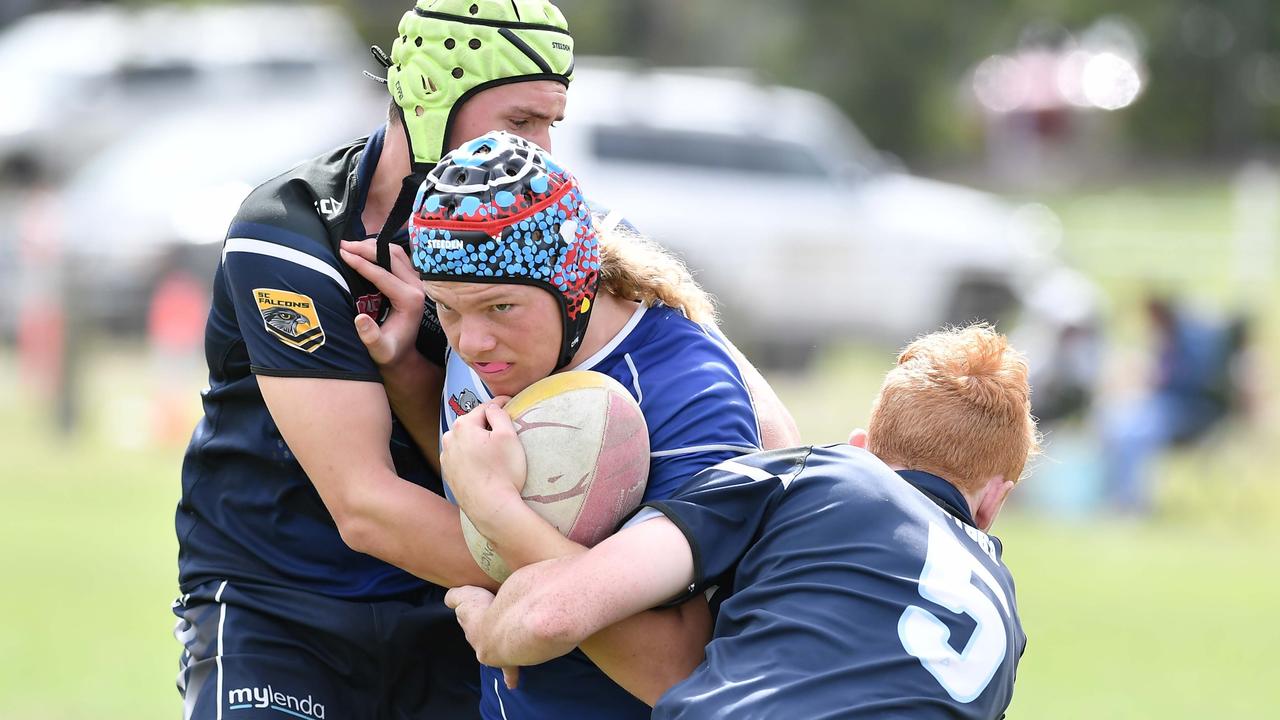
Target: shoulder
{"type": "Point", "coordinates": [307, 202]}
{"type": "Point", "coordinates": [677, 365]}
{"type": "Point", "coordinates": [667, 339]}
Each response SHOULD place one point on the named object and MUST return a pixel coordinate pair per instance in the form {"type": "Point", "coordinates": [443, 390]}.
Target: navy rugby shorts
{"type": "Point", "coordinates": [254, 652]}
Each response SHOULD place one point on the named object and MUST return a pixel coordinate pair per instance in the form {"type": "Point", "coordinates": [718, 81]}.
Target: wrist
{"type": "Point", "coordinates": [500, 517]}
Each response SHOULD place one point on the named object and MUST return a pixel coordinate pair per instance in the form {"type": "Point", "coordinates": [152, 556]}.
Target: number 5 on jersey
{"type": "Point", "coordinates": [947, 579]}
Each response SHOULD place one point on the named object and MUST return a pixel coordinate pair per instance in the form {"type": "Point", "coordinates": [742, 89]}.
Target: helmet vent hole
{"type": "Point", "coordinates": [428, 86]}
{"type": "Point", "coordinates": [419, 111]}
{"type": "Point", "coordinates": [475, 9]}
{"type": "Point", "coordinates": [474, 44]}
{"type": "Point", "coordinates": [536, 236]}
{"type": "Point", "coordinates": [511, 172]}
{"type": "Point", "coordinates": [418, 41]}
{"type": "Point", "coordinates": [449, 43]}
{"type": "Point", "coordinates": [457, 73]}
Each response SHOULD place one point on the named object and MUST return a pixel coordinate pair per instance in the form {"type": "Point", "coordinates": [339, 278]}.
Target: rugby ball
{"type": "Point", "coordinates": [587, 448]}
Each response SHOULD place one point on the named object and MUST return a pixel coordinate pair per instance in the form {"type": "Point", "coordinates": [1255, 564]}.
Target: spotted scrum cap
{"type": "Point", "coordinates": [500, 210]}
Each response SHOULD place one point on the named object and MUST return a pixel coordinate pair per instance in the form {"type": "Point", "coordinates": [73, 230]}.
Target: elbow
{"type": "Point", "coordinates": [553, 625]}
{"type": "Point", "coordinates": [356, 520]}
{"type": "Point", "coordinates": [357, 531]}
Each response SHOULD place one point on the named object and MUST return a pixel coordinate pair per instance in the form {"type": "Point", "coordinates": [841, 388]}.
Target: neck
{"type": "Point", "coordinates": [971, 497]}
{"type": "Point", "coordinates": [388, 176]}
{"type": "Point", "coordinates": [608, 317]}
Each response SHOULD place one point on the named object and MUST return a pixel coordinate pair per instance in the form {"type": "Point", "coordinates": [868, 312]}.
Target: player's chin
{"type": "Point", "coordinates": [509, 383]}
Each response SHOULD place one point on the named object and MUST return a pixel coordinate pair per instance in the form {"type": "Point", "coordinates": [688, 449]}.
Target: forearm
{"type": "Point", "coordinates": [648, 653]}
{"type": "Point", "coordinates": [545, 610]}
{"type": "Point", "coordinates": [410, 527]}
{"type": "Point", "coordinates": [519, 535]}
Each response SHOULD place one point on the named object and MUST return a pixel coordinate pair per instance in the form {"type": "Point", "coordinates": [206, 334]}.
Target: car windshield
{"type": "Point", "coordinates": [706, 150]}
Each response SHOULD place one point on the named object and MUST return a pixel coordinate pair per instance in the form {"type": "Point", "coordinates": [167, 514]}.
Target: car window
{"type": "Point", "coordinates": [705, 150]}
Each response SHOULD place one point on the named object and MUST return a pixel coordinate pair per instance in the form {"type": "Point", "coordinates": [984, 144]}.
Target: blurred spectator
{"type": "Point", "coordinates": [1197, 384]}
{"type": "Point", "coordinates": [175, 336]}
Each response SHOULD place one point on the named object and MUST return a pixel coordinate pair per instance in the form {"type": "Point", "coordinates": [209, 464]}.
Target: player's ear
{"type": "Point", "coordinates": [858, 438]}
{"type": "Point", "coordinates": [991, 500]}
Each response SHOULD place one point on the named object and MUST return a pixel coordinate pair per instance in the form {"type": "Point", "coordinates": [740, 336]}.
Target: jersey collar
{"type": "Point", "coordinates": [364, 178]}
{"type": "Point", "coordinates": [941, 492]}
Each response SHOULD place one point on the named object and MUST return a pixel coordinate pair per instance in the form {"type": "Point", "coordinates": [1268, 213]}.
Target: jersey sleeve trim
{"type": "Point", "coordinates": [744, 449]}
{"type": "Point", "coordinates": [318, 374]}
{"type": "Point", "coordinates": [699, 582]}
{"type": "Point", "coordinates": [260, 247]}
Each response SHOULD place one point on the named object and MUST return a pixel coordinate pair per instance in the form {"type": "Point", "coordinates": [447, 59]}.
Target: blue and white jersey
{"type": "Point", "coordinates": [854, 592]}
{"type": "Point", "coordinates": [284, 306]}
{"type": "Point", "coordinates": [699, 413]}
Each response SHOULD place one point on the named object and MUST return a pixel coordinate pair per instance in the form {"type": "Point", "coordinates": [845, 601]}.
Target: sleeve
{"type": "Point", "coordinates": [293, 307]}
{"type": "Point", "coordinates": [721, 513]}
{"type": "Point", "coordinates": [700, 415]}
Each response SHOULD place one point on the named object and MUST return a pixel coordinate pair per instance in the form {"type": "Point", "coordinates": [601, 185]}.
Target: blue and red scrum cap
{"type": "Point", "coordinates": [500, 210]}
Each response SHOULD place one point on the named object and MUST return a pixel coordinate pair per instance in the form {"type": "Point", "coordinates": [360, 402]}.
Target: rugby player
{"type": "Point", "coordinates": [859, 584]}
{"type": "Point", "coordinates": [524, 287]}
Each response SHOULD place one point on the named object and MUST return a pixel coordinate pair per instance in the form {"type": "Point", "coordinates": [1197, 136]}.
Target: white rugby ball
{"type": "Point", "coordinates": [587, 448]}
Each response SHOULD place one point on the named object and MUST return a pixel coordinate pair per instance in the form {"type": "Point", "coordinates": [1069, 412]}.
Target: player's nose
{"type": "Point", "coordinates": [475, 338]}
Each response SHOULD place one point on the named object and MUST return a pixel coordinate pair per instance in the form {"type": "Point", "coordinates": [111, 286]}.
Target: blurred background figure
{"type": "Point", "coordinates": [1196, 385]}
{"type": "Point", "coordinates": [175, 338]}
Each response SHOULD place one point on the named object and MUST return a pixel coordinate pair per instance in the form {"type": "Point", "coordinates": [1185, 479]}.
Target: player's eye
{"type": "Point", "coordinates": [502, 307]}
{"type": "Point", "coordinates": [519, 123]}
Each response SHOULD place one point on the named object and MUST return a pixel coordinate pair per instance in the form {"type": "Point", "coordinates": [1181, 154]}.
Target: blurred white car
{"type": "Point", "coordinates": [75, 80]}
{"type": "Point", "coordinates": [804, 232]}
{"type": "Point", "coordinates": [275, 86]}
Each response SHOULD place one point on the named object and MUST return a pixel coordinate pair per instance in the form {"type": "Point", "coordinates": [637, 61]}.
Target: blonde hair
{"type": "Point", "coordinates": [958, 405]}
{"type": "Point", "coordinates": [633, 267]}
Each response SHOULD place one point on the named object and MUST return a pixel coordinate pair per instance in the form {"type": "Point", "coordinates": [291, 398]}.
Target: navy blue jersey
{"type": "Point", "coordinates": [284, 305]}
{"type": "Point", "coordinates": [854, 592]}
{"type": "Point", "coordinates": [698, 412]}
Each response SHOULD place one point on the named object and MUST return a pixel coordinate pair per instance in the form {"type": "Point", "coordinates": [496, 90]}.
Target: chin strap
{"type": "Point", "coordinates": [399, 216]}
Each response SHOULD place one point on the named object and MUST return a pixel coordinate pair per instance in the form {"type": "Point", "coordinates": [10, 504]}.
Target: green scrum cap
{"type": "Point", "coordinates": [449, 50]}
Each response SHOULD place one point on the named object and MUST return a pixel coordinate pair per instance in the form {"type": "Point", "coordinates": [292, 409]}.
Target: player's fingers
{"type": "Point", "coordinates": [402, 268]}
{"type": "Point", "coordinates": [501, 400]}
{"type": "Point", "coordinates": [367, 268]}
{"type": "Point", "coordinates": [404, 292]}
{"type": "Point", "coordinates": [499, 421]}
{"type": "Point", "coordinates": [366, 249]}
{"type": "Point", "coordinates": [457, 596]}
{"type": "Point", "coordinates": [369, 332]}
{"type": "Point", "coordinates": [511, 676]}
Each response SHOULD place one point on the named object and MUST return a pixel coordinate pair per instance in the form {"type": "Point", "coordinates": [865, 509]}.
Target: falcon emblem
{"type": "Point", "coordinates": [291, 318]}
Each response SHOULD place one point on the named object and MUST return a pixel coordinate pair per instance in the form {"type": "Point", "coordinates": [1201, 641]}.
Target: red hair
{"type": "Point", "coordinates": [958, 405]}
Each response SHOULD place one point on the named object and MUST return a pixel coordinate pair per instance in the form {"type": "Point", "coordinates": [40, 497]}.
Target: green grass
{"type": "Point", "coordinates": [1172, 618]}
{"type": "Point", "coordinates": [89, 570]}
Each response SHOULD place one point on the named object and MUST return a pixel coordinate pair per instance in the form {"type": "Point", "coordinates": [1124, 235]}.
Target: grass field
{"type": "Point", "coordinates": [1171, 618]}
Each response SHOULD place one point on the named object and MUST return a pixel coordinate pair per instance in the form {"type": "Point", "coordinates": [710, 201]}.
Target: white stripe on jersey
{"type": "Point", "coordinates": [612, 345]}
{"type": "Point", "coordinates": [744, 449]}
{"type": "Point", "coordinates": [635, 377]}
{"type": "Point", "coordinates": [754, 473]}
{"type": "Point", "coordinates": [222, 620]}
{"type": "Point", "coordinates": [260, 247]}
